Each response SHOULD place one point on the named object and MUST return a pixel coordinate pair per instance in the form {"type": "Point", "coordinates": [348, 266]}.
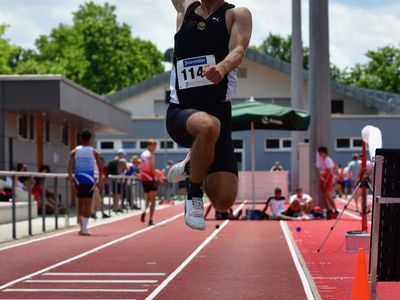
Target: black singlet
{"type": "Point", "coordinates": [197, 38]}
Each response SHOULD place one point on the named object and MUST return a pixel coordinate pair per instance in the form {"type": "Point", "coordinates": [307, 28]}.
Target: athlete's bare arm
{"type": "Point", "coordinates": [181, 6]}
{"type": "Point", "coordinates": [240, 34]}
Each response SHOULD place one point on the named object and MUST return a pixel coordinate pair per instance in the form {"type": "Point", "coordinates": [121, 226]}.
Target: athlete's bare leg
{"type": "Point", "coordinates": [205, 129]}
{"type": "Point", "coordinates": [221, 189]}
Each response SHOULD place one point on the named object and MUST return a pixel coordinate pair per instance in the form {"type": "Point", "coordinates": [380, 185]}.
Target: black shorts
{"type": "Point", "coordinates": [224, 159]}
{"type": "Point", "coordinates": [149, 186]}
{"type": "Point", "coordinates": [85, 190]}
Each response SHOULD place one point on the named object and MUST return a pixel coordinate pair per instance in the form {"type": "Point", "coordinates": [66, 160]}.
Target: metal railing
{"type": "Point", "coordinates": [128, 188]}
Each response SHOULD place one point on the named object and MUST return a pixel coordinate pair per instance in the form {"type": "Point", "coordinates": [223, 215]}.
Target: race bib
{"type": "Point", "coordinates": [190, 71]}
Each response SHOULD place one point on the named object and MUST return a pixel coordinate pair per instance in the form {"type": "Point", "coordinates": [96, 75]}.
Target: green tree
{"type": "Point", "coordinates": [8, 53]}
{"type": "Point", "coordinates": [96, 51]}
{"type": "Point", "coordinates": [381, 72]}
{"type": "Point", "coordinates": [280, 47]}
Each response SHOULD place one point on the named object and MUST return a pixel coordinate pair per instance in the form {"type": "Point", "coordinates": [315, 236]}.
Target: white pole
{"type": "Point", "coordinates": [253, 184]}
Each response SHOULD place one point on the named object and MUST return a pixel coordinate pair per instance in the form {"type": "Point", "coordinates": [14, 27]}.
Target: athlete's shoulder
{"type": "Point", "coordinates": [241, 13]}
{"type": "Point", "coordinates": [182, 5]}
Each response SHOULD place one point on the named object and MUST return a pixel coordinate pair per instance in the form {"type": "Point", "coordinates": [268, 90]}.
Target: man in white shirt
{"type": "Point", "coordinates": [300, 201]}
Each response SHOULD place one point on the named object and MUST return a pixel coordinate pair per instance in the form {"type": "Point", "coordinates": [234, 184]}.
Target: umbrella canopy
{"type": "Point", "coordinates": [252, 114]}
{"type": "Point", "coordinates": [268, 116]}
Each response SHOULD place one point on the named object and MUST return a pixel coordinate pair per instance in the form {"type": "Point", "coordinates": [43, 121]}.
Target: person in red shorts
{"type": "Point", "coordinates": [326, 181]}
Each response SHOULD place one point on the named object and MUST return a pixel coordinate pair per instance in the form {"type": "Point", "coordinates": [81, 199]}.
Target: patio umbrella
{"type": "Point", "coordinates": [252, 114]}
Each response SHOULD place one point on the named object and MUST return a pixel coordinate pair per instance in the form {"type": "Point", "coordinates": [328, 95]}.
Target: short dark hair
{"type": "Point", "coordinates": [85, 135]}
{"type": "Point", "coordinates": [323, 149]}
{"type": "Point", "coordinates": [278, 190]}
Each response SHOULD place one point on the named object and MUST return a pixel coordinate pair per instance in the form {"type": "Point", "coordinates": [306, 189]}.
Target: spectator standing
{"type": "Point", "coordinates": [354, 174]}
{"type": "Point", "coordinates": [326, 180]}
{"type": "Point", "coordinates": [81, 174]}
{"type": "Point", "coordinates": [339, 180]}
{"type": "Point", "coordinates": [149, 179]}
{"type": "Point", "coordinates": [118, 166]}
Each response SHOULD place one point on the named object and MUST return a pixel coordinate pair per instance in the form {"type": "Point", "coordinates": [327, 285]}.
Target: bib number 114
{"type": "Point", "coordinates": [190, 71]}
{"type": "Point", "coordinates": [193, 74]}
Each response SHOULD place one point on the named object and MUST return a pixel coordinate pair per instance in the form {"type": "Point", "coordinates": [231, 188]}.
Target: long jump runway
{"type": "Point", "coordinates": [127, 260]}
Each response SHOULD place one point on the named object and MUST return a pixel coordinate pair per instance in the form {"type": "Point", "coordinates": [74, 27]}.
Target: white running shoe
{"type": "Point", "coordinates": [194, 214]}
{"type": "Point", "coordinates": [177, 172]}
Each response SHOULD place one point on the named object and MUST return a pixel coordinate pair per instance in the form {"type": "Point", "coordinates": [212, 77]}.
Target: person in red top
{"type": "Point", "coordinates": [326, 179]}
{"type": "Point", "coordinates": [149, 178]}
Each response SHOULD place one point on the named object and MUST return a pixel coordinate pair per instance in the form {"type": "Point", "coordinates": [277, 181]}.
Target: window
{"type": "Point", "coordinates": [342, 143]}
{"type": "Point", "coordinates": [143, 144]}
{"type": "Point", "coordinates": [348, 143]}
{"type": "Point", "coordinates": [169, 144]}
{"type": "Point", "coordinates": [287, 144]}
{"type": "Point", "coordinates": [278, 144]}
{"type": "Point", "coordinates": [32, 128]}
{"type": "Point", "coordinates": [272, 143]}
{"type": "Point", "coordinates": [357, 143]}
{"type": "Point", "coordinates": [23, 126]}
{"type": "Point", "coordinates": [238, 144]}
{"type": "Point", "coordinates": [128, 144]}
{"type": "Point", "coordinates": [64, 134]}
{"type": "Point", "coordinates": [106, 145]}
{"type": "Point", "coordinates": [337, 106]}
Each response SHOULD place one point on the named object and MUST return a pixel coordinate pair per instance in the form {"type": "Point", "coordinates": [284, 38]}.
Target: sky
{"type": "Point", "coordinates": [356, 26]}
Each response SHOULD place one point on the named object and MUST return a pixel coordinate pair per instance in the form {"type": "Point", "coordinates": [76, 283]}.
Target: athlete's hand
{"type": "Point", "coordinates": [213, 73]}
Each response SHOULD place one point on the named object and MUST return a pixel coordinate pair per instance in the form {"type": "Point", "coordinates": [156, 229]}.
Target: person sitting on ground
{"type": "Point", "coordinates": [37, 191]}
{"type": "Point", "coordinates": [277, 205]}
{"type": "Point", "coordinates": [300, 202]}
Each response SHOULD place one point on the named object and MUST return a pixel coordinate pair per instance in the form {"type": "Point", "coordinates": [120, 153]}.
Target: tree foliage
{"type": "Point", "coordinates": [280, 47]}
{"type": "Point", "coordinates": [8, 53]}
{"type": "Point", "coordinates": [95, 51]}
{"type": "Point", "coordinates": [381, 72]}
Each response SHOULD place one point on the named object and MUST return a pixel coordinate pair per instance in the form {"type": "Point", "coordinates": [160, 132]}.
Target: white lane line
{"type": "Point", "coordinates": [108, 244]}
{"type": "Point", "coordinates": [299, 268]}
{"type": "Point", "coordinates": [89, 281]}
{"type": "Point", "coordinates": [79, 290]}
{"type": "Point", "coordinates": [189, 259]}
{"type": "Point", "coordinates": [105, 222]}
{"type": "Point", "coordinates": [100, 274]}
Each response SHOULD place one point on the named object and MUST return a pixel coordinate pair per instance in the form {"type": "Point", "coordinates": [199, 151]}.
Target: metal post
{"type": "Point", "coordinates": [109, 195]}
{"type": "Point", "coordinates": [363, 177]}
{"type": "Point", "coordinates": [56, 201]}
{"type": "Point", "coordinates": [14, 208]}
{"type": "Point", "coordinates": [30, 205]}
{"type": "Point", "coordinates": [376, 209]}
{"type": "Point", "coordinates": [296, 88]}
{"type": "Point", "coordinates": [43, 200]}
{"type": "Point", "coordinates": [67, 202]}
{"type": "Point", "coordinates": [253, 184]}
{"type": "Point", "coordinates": [319, 88]}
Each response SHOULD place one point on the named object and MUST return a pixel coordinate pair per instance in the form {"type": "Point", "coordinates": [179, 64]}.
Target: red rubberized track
{"type": "Point", "coordinates": [245, 260]}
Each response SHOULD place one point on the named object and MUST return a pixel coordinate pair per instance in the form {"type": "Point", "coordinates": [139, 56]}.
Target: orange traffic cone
{"type": "Point", "coordinates": [360, 289]}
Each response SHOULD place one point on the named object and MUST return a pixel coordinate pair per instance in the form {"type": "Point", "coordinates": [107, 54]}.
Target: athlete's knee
{"type": "Point", "coordinates": [210, 128]}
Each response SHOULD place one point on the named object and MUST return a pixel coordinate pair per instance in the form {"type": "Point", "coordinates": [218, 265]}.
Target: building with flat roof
{"type": "Point", "coordinates": [267, 79]}
{"type": "Point", "coordinates": [41, 117]}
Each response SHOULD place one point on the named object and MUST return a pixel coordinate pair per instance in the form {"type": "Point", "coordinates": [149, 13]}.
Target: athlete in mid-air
{"type": "Point", "coordinates": [210, 43]}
